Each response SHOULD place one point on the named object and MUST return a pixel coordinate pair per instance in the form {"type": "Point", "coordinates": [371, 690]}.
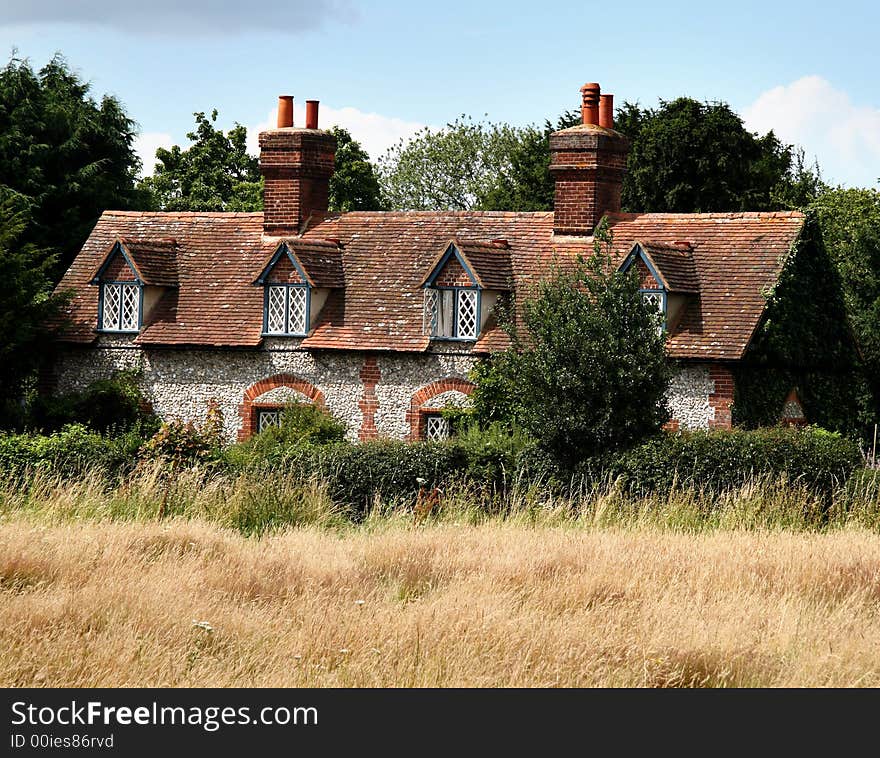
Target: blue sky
{"type": "Point", "coordinates": [384, 68]}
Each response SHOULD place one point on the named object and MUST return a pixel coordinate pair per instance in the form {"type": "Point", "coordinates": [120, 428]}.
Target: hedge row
{"type": "Point", "coordinates": [722, 459]}
{"type": "Point", "coordinates": [356, 475]}
{"type": "Point", "coordinates": [68, 452]}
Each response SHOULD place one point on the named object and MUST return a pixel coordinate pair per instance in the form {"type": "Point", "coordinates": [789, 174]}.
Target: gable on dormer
{"type": "Point", "coordinates": [662, 266]}
{"type": "Point", "coordinates": [115, 267]}
{"type": "Point", "coordinates": [451, 269]}
{"type": "Point", "coordinates": [297, 280]}
{"type": "Point", "coordinates": [483, 265]}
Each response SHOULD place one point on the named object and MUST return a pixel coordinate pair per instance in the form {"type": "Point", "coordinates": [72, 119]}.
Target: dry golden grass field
{"type": "Point", "coordinates": [186, 603]}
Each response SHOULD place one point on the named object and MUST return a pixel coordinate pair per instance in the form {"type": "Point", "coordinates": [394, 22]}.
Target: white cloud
{"type": "Point", "coordinates": [181, 17]}
{"type": "Point", "coordinates": [375, 132]}
{"type": "Point", "coordinates": [145, 145]}
{"type": "Point", "coordinates": [810, 112]}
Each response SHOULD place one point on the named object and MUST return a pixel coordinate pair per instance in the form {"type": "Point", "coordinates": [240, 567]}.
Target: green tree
{"type": "Point", "coordinates": [527, 185]}
{"type": "Point", "coordinates": [26, 306]}
{"type": "Point", "coordinates": [451, 168]}
{"type": "Point", "coordinates": [355, 183]}
{"type": "Point", "coordinates": [850, 223]}
{"type": "Point", "coordinates": [215, 173]}
{"type": "Point", "coordinates": [688, 156]}
{"type": "Point", "coordinates": [586, 371]}
{"type": "Point", "coordinates": [70, 156]}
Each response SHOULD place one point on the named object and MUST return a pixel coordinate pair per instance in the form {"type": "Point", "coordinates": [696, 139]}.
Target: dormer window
{"type": "Point", "coordinates": [453, 312]}
{"type": "Point", "coordinates": [287, 309]}
{"type": "Point", "coordinates": [120, 309]}
{"type": "Point", "coordinates": [461, 288]}
{"type": "Point", "coordinates": [132, 278]}
{"type": "Point", "coordinates": [667, 278]}
{"type": "Point", "coordinates": [296, 282]}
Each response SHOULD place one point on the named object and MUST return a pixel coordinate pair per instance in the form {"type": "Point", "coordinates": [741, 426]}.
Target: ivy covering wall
{"type": "Point", "coordinates": [804, 341]}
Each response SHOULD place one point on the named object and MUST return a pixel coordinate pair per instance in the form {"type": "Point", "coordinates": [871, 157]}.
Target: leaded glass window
{"type": "Point", "coordinates": [437, 427]}
{"type": "Point", "coordinates": [268, 417]}
{"type": "Point", "coordinates": [121, 307]}
{"type": "Point", "coordinates": [287, 309]}
{"type": "Point", "coordinates": [452, 313]}
{"type": "Point", "coordinates": [656, 302]}
{"type": "Point", "coordinates": [467, 317]}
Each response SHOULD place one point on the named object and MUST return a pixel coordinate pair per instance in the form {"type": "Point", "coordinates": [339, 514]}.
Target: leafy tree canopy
{"type": "Point", "coordinates": [71, 157]}
{"type": "Point", "coordinates": [687, 156]}
{"type": "Point", "coordinates": [455, 167]}
{"type": "Point", "coordinates": [355, 183]}
{"type": "Point", "coordinates": [25, 303]}
{"type": "Point", "coordinates": [215, 173]}
{"type": "Point", "coordinates": [587, 372]}
{"type": "Point", "coordinates": [850, 222]}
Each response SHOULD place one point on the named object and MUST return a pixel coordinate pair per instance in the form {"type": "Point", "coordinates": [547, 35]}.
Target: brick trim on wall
{"type": "Point", "coordinates": [414, 418]}
{"type": "Point", "coordinates": [722, 397]}
{"type": "Point", "coordinates": [369, 402]}
{"type": "Point", "coordinates": [247, 410]}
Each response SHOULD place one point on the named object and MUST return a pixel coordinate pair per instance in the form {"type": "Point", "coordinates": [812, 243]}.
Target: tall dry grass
{"type": "Point", "coordinates": [255, 504]}
{"type": "Point", "coordinates": [501, 603]}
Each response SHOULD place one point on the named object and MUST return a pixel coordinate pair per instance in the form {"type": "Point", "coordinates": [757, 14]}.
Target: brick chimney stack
{"type": "Point", "coordinates": [296, 164]}
{"type": "Point", "coordinates": [588, 163]}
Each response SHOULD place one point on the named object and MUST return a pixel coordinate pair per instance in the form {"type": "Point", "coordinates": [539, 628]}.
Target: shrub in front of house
{"type": "Point", "coordinates": [107, 406]}
{"type": "Point", "coordinates": [71, 451]}
{"type": "Point", "coordinates": [724, 459]}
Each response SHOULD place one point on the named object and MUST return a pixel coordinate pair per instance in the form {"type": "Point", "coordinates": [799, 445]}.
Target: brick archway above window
{"type": "Point", "coordinates": [253, 395]}
{"type": "Point", "coordinates": [415, 415]}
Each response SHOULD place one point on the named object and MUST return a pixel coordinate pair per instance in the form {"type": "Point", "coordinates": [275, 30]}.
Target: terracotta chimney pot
{"type": "Point", "coordinates": [606, 111]}
{"type": "Point", "coordinates": [285, 111]}
{"type": "Point", "coordinates": [311, 114]}
{"type": "Point", "coordinates": [590, 103]}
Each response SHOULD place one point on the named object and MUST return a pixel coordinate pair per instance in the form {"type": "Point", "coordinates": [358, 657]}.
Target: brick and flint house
{"type": "Point", "coordinates": [380, 316]}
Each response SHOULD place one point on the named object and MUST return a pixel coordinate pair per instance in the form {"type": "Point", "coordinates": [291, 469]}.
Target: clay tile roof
{"type": "Point", "coordinates": [384, 257]}
{"type": "Point", "coordinates": [490, 263]}
{"type": "Point", "coordinates": [154, 260]}
{"type": "Point", "coordinates": [321, 260]}
{"type": "Point", "coordinates": [675, 264]}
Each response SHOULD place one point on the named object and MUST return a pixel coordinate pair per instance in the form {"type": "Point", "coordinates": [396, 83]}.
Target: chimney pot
{"type": "Point", "coordinates": [285, 111]}
{"type": "Point", "coordinates": [606, 111]}
{"type": "Point", "coordinates": [311, 114]}
{"type": "Point", "coordinates": [590, 103]}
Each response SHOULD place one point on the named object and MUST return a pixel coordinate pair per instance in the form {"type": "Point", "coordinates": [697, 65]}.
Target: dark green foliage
{"type": "Point", "coordinates": [356, 475]}
{"type": "Point", "coordinates": [354, 185]}
{"type": "Point", "coordinates": [727, 459]}
{"type": "Point", "coordinates": [25, 306]}
{"type": "Point", "coordinates": [300, 423]}
{"type": "Point", "coordinates": [804, 341]}
{"type": "Point", "coordinates": [527, 184]}
{"type": "Point", "coordinates": [107, 406]}
{"type": "Point", "coordinates": [587, 372]}
{"type": "Point", "coordinates": [850, 223]}
{"type": "Point", "coordinates": [71, 451]}
{"type": "Point", "coordinates": [688, 156]}
{"type": "Point", "coordinates": [215, 173]}
{"type": "Point", "coordinates": [70, 156]}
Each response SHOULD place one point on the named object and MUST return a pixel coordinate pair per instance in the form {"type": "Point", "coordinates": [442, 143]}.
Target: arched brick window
{"type": "Point", "coordinates": [427, 403]}
{"type": "Point", "coordinates": [264, 397]}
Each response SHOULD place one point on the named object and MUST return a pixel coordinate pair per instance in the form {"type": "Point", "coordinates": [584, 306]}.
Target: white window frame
{"type": "Point", "coordinates": [648, 296]}
{"type": "Point", "coordinates": [436, 427]}
{"type": "Point", "coordinates": [436, 297]}
{"type": "Point", "coordinates": [131, 290]}
{"type": "Point", "coordinates": [289, 293]}
{"type": "Point", "coordinates": [267, 417]}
